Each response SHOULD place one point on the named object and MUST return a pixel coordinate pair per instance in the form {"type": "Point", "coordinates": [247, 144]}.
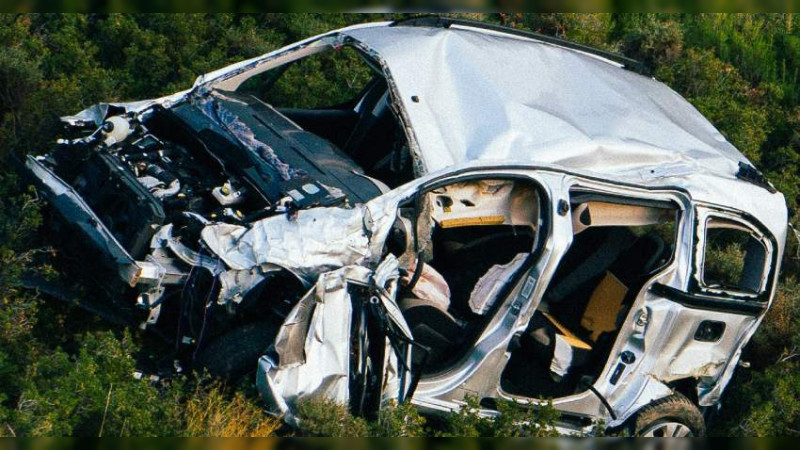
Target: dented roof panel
{"type": "Point", "coordinates": [553, 105]}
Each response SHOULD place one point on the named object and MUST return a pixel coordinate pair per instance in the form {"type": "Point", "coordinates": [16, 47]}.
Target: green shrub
{"type": "Point", "coordinates": [763, 403]}
{"type": "Point", "coordinates": [514, 420]}
{"type": "Point", "coordinates": [17, 69]}
{"type": "Point", "coordinates": [399, 420]}
{"type": "Point", "coordinates": [94, 393]}
{"type": "Point", "coordinates": [589, 29]}
{"type": "Point", "coordinates": [718, 91]}
{"type": "Point", "coordinates": [328, 418]}
{"type": "Point", "coordinates": [650, 40]}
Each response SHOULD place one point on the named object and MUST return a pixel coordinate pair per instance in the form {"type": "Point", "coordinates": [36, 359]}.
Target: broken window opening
{"type": "Point", "coordinates": [355, 115]}
{"type": "Point", "coordinates": [617, 247]}
{"type": "Point", "coordinates": [734, 259]}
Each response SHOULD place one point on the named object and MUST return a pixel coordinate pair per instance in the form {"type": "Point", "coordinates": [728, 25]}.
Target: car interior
{"type": "Point", "coordinates": [617, 246]}
{"type": "Point", "coordinates": [464, 246]}
{"type": "Point", "coordinates": [360, 122]}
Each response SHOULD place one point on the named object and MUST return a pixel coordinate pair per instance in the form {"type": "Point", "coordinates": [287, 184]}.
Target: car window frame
{"type": "Point", "coordinates": [508, 308]}
{"type": "Point", "coordinates": [320, 48]}
{"type": "Point", "coordinates": [705, 215]}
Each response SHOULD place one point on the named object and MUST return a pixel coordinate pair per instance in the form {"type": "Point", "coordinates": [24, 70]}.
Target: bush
{"type": "Point", "coordinates": [399, 420]}
{"type": "Point", "coordinates": [328, 418]}
{"type": "Point", "coordinates": [779, 334]}
{"type": "Point", "coordinates": [19, 76]}
{"type": "Point", "coordinates": [94, 393]}
{"type": "Point", "coordinates": [650, 40]}
{"type": "Point", "coordinates": [514, 420]}
{"type": "Point", "coordinates": [765, 403]}
{"type": "Point", "coordinates": [718, 91]}
{"type": "Point", "coordinates": [588, 29]}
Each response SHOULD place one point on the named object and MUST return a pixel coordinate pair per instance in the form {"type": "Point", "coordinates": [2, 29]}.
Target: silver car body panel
{"type": "Point", "coordinates": [312, 355]}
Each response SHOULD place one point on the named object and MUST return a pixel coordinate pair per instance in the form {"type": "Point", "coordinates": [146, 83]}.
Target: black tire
{"type": "Point", "coordinates": [669, 416]}
{"type": "Point", "coordinates": [235, 354]}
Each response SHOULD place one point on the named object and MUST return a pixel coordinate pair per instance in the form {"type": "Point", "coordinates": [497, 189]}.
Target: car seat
{"type": "Point", "coordinates": [566, 341]}
{"type": "Point", "coordinates": [433, 328]}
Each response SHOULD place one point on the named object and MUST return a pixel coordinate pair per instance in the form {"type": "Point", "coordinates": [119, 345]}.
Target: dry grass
{"type": "Point", "coordinates": [210, 412]}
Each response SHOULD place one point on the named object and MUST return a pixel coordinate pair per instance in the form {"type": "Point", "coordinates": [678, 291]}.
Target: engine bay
{"type": "Point", "coordinates": [181, 166]}
{"type": "Point", "coordinates": [140, 188]}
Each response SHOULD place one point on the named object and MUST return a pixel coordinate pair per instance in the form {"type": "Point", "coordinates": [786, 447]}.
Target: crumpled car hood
{"type": "Point", "coordinates": [317, 240]}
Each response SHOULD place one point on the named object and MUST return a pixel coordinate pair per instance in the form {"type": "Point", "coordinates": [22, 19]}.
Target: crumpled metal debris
{"type": "Point", "coordinates": [317, 240]}
{"type": "Point", "coordinates": [164, 239]}
{"type": "Point", "coordinates": [310, 358]}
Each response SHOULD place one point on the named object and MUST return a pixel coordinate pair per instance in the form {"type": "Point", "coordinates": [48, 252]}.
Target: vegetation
{"type": "Point", "coordinates": [63, 372]}
{"type": "Point", "coordinates": [329, 419]}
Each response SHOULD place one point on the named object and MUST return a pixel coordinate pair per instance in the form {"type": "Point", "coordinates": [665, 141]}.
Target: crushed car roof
{"type": "Point", "coordinates": [476, 94]}
{"type": "Point", "coordinates": [530, 100]}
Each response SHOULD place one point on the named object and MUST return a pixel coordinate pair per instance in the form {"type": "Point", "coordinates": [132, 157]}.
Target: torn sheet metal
{"type": "Point", "coordinates": [164, 239]}
{"type": "Point", "coordinates": [312, 349]}
{"type": "Point", "coordinates": [317, 240]}
{"type": "Point", "coordinates": [385, 282]}
{"type": "Point", "coordinates": [95, 115]}
{"type": "Point", "coordinates": [311, 359]}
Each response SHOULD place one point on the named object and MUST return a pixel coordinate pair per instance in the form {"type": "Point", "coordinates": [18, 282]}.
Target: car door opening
{"type": "Point", "coordinates": [471, 241]}
{"type": "Point", "coordinates": [616, 248]}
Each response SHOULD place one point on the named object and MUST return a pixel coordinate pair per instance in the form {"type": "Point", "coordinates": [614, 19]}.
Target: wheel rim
{"type": "Point", "coordinates": [668, 429]}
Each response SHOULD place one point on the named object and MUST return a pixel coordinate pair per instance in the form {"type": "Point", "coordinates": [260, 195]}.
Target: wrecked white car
{"type": "Point", "coordinates": [493, 214]}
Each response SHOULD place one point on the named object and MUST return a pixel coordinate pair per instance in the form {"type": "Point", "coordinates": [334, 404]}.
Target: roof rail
{"type": "Point", "coordinates": [434, 21]}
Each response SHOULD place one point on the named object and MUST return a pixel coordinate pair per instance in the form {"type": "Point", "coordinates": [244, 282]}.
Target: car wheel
{"type": "Point", "coordinates": [673, 416]}
{"type": "Point", "coordinates": [235, 354]}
